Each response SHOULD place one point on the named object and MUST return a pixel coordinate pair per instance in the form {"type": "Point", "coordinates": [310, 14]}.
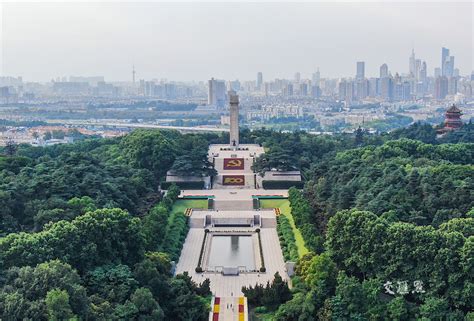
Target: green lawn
{"type": "Point", "coordinates": [285, 209]}
{"type": "Point", "coordinates": [181, 205]}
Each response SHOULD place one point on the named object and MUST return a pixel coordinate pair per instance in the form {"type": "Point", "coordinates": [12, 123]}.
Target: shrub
{"type": "Point", "coordinates": [282, 184]}
{"type": "Point", "coordinates": [183, 185]}
{"type": "Point", "coordinates": [287, 239]}
{"type": "Point", "coordinates": [175, 235]}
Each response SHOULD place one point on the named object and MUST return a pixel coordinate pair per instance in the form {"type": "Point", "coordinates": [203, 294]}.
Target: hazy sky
{"type": "Point", "coordinates": [196, 41]}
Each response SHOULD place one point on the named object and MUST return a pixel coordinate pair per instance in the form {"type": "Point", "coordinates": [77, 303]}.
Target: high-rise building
{"type": "Point", "coordinates": [444, 56]}
{"type": "Point", "coordinates": [412, 63]}
{"type": "Point", "coordinates": [417, 69]}
{"type": "Point", "coordinates": [362, 88]}
{"type": "Point", "coordinates": [441, 87]}
{"type": "Point", "coordinates": [216, 93]}
{"type": "Point", "coordinates": [383, 71]}
{"type": "Point", "coordinates": [303, 89]}
{"type": "Point", "coordinates": [235, 85]}
{"type": "Point", "coordinates": [449, 66]}
{"type": "Point", "coordinates": [342, 89]}
{"type": "Point", "coordinates": [315, 91]}
{"type": "Point", "coordinates": [133, 74]}
{"type": "Point", "coordinates": [288, 91]}
{"type": "Point", "coordinates": [360, 70]}
{"type": "Point", "coordinates": [452, 85]}
{"type": "Point", "coordinates": [437, 72]}
{"type": "Point", "coordinates": [374, 87]}
{"type": "Point", "coordinates": [406, 91]}
{"type": "Point", "coordinates": [297, 77]}
{"type": "Point", "coordinates": [349, 92]}
{"type": "Point", "coordinates": [423, 72]}
{"type": "Point", "coordinates": [316, 78]}
{"type": "Point", "coordinates": [447, 63]}
{"type": "Point", "coordinates": [386, 88]}
{"type": "Point", "coordinates": [259, 80]}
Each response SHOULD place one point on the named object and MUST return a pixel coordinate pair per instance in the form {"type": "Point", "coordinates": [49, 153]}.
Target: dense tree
{"type": "Point", "coordinates": [99, 237]}
{"type": "Point", "coordinates": [57, 305]}
{"type": "Point", "coordinates": [45, 292]}
{"type": "Point", "coordinates": [398, 209]}
{"type": "Point", "coordinates": [270, 296]}
{"type": "Point", "coordinates": [149, 149]}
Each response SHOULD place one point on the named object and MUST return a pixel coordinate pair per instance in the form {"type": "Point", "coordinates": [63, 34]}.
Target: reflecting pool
{"type": "Point", "coordinates": [231, 251]}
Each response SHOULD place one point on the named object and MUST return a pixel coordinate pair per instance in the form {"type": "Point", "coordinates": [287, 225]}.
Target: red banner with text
{"type": "Point", "coordinates": [237, 180]}
{"type": "Point", "coordinates": [233, 163]}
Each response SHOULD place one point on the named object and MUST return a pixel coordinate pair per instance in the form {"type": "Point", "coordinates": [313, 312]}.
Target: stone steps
{"type": "Point", "coordinates": [233, 205]}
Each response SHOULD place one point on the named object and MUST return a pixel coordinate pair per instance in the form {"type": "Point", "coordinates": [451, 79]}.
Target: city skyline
{"type": "Point", "coordinates": [173, 53]}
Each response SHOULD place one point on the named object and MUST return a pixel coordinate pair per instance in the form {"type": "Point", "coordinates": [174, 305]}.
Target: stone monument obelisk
{"type": "Point", "coordinates": [234, 119]}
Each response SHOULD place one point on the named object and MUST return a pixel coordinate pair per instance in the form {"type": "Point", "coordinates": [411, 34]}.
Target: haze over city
{"type": "Point", "coordinates": [236, 161]}
{"type": "Point", "coordinates": [196, 41]}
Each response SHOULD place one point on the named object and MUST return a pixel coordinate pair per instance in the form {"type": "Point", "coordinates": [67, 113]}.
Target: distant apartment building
{"type": "Point", "coordinates": [216, 93]}
{"type": "Point", "coordinates": [441, 87]}
{"type": "Point", "coordinates": [259, 80]}
{"type": "Point", "coordinates": [71, 88]}
{"type": "Point", "coordinates": [316, 78]}
{"type": "Point", "coordinates": [386, 88]}
{"type": "Point", "coordinates": [360, 74]}
{"type": "Point", "coordinates": [383, 71]}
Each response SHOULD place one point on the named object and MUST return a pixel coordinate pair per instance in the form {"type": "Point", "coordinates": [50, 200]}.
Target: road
{"type": "Point", "coordinates": [136, 125]}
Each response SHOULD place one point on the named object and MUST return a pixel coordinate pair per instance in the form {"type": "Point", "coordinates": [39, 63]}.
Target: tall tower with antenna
{"type": "Point", "coordinates": [133, 74]}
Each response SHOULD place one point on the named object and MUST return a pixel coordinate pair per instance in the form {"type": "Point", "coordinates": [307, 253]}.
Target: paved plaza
{"type": "Point", "coordinates": [224, 285]}
{"type": "Point", "coordinates": [232, 219]}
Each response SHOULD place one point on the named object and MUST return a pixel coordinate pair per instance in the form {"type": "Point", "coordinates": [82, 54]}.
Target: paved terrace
{"type": "Point", "coordinates": [250, 149]}
{"type": "Point", "coordinates": [228, 286]}
{"type": "Point", "coordinates": [235, 194]}
{"type": "Point", "coordinates": [233, 214]}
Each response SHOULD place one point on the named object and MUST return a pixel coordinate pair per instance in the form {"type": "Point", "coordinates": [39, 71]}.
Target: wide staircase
{"type": "Point", "coordinates": [233, 205]}
{"type": "Point", "coordinates": [229, 309]}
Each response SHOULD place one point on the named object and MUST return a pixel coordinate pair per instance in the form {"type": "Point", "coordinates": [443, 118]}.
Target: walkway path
{"type": "Point", "coordinates": [229, 309]}
{"type": "Point", "coordinates": [233, 203]}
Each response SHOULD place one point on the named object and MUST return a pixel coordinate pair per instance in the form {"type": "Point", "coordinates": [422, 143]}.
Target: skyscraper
{"type": "Point", "coordinates": [360, 70]}
{"type": "Point", "coordinates": [316, 78]}
{"type": "Point", "coordinates": [386, 88]}
{"type": "Point", "coordinates": [412, 64]}
{"type": "Point", "coordinates": [216, 93]}
{"type": "Point", "coordinates": [303, 89]}
{"type": "Point", "coordinates": [259, 80]}
{"type": "Point", "coordinates": [383, 71]}
{"type": "Point", "coordinates": [441, 87]}
{"type": "Point", "coordinates": [297, 77]}
{"type": "Point", "coordinates": [423, 72]}
{"type": "Point", "coordinates": [444, 57]}
{"type": "Point", "coordinates": [449, 66]}
{"type": "Point", "coordinates": [133, 74]}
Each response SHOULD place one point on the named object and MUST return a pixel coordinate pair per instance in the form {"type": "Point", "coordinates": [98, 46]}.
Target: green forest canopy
{"type": "Point", "coordinates": [88, 222]}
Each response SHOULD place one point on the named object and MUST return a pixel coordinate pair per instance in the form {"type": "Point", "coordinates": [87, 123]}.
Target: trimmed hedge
{"type": "Point", "coordinates": [287, 239]}
{"type": "Point", "coordinates": [282, 184]}
{"type": "Point", "coordinates": [183, 185]}
{"type": "Point", "coordinates": [175, 235]}
{"type": "Point", "coordinates": [262, 268]}
{"type": "Point", "coordinates": [199, 268]}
